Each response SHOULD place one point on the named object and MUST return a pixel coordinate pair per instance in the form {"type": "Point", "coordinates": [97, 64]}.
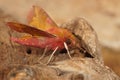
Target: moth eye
{"type": "Point", "coordinates": [68, 41]}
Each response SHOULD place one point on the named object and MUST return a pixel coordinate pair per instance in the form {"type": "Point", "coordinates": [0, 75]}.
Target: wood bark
{"type": "Point", "coordinates": [19, 62]}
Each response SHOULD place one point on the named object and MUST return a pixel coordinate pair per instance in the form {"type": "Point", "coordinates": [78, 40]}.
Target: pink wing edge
{"type": "Point", "coordinates": [51, 43]}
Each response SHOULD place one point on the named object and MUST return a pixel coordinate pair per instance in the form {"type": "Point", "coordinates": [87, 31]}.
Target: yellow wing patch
{"type": "Point", "coordinates": [40, 19]}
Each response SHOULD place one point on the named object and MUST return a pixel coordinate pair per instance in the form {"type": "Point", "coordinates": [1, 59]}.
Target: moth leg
{"type": "Point", "coordinates": [68, 52]}
{"type": "Point", "coordinates": [52, 55]}
{"type": "Point", "coordinates": [45, 50]}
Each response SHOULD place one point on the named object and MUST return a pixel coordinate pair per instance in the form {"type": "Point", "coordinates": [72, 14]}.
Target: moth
{"type": "Point", "coordinates": [43, 32]}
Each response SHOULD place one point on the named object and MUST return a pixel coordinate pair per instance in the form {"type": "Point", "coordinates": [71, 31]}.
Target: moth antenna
{"type": "Point", "coordinates": [52, 55]}
{"type": "Point", "coordinates": [68, 52]}
{"type": "Point", "coordinates": [45, 50]}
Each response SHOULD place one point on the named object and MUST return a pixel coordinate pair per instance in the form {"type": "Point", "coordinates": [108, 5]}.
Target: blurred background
{"type": "Point", "coordinates": [103, 15]}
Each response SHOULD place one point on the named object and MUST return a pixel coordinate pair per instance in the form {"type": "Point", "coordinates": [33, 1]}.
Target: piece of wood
{"type": "Point", "coordinates": [21, 62]}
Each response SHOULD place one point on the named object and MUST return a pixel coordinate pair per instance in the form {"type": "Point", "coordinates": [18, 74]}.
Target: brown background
{"type": "Point", "coordinates": [103, 15]}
